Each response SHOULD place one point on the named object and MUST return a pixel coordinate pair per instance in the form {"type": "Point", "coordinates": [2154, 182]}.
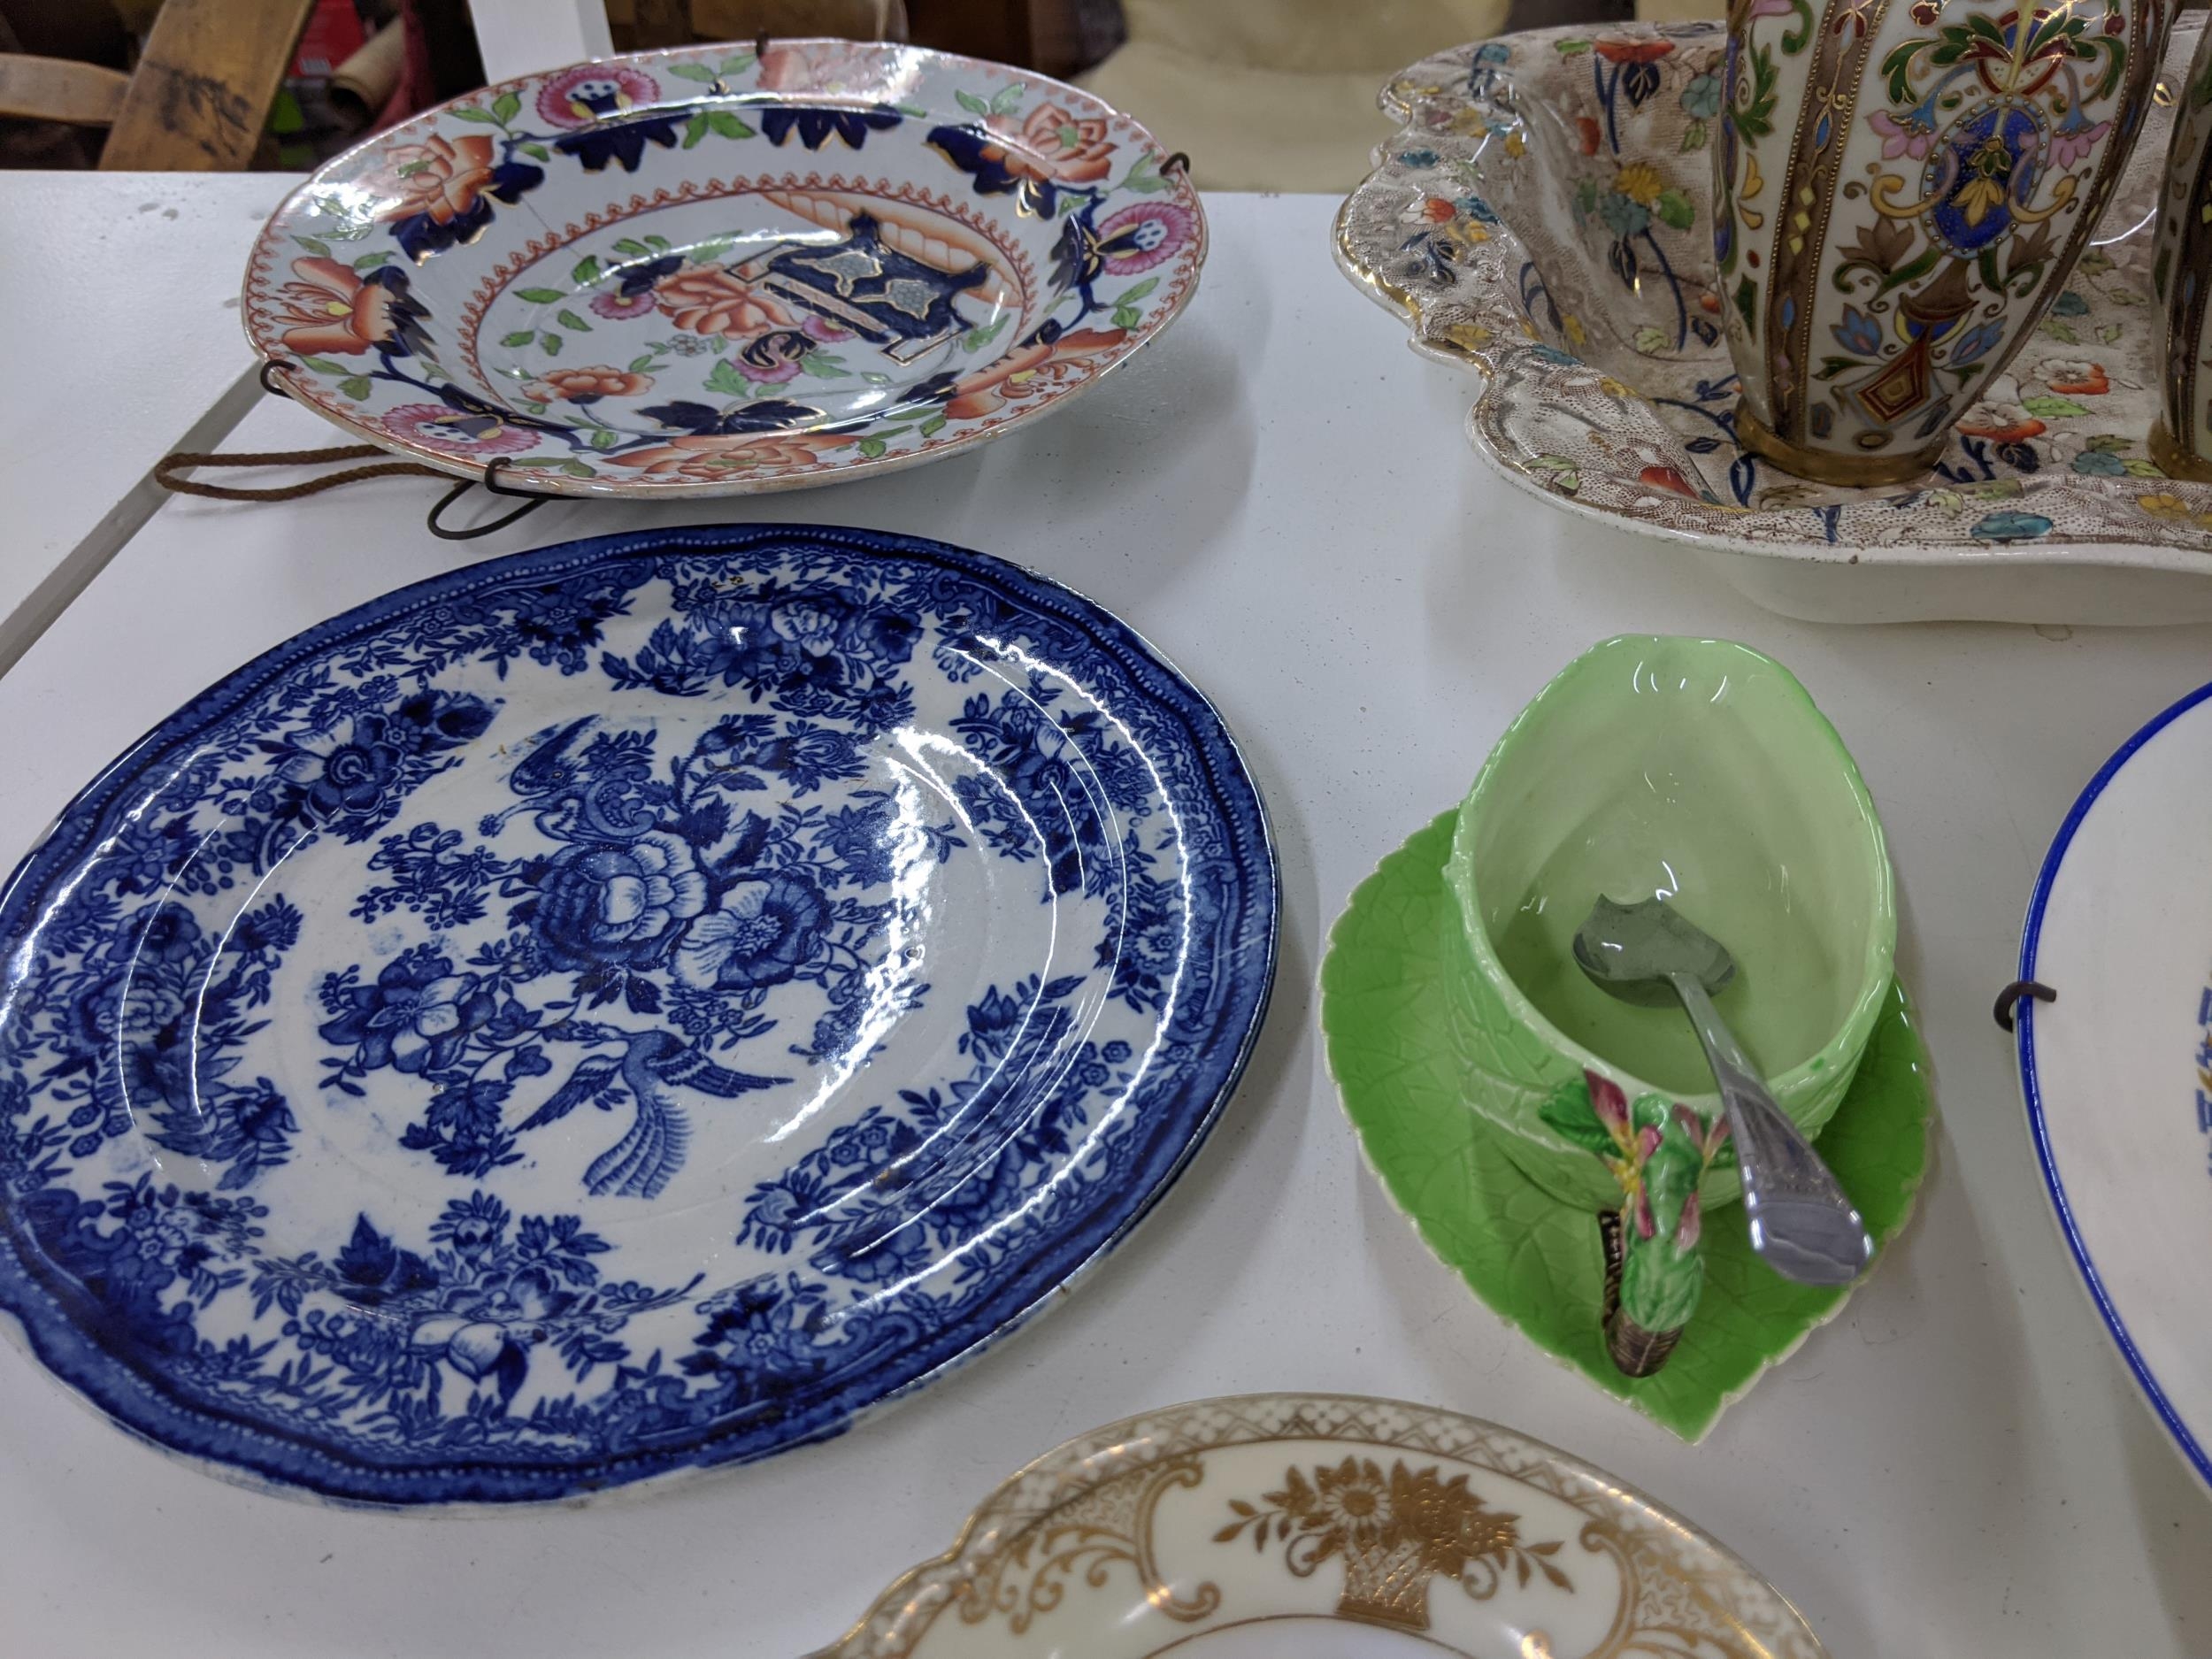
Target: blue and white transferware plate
{"type": "Point", "coordinates": [616, 1010]}
{"type": "Point", "coordinates": [2118, 1070]}
{"type": "Point", "coordinates": [714, 272]}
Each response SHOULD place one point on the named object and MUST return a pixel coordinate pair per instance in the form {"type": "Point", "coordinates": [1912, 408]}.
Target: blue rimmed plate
{"type": "Point", "coordinates": [2118, 1070]}
{"type": "Point", "coordinates": [617, 1009]}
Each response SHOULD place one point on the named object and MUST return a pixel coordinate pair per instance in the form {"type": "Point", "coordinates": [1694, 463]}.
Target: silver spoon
{"type": "Point", "coordinates": [1801, 1225]}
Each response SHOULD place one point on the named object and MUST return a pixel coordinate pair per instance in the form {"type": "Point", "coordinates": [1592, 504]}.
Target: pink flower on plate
{"type": "Point", "coordinates": [621, 310]}
{"type": "Point", "coordinates": [1140, 237]}
{"type": "Point", "coordinates": [592, 92]}
{"type": "Point", "coordinates": [2075, 139]}
{"type": "Point", "coordinates": [1911, 137]}
{"type": "Point", "coordinates": [453, 432]}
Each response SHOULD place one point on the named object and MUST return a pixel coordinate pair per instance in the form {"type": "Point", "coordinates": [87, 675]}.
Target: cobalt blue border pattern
{"type": "Point", "coordinates": [1234, 947]}
{"type": "Point", "coordinates": [2032, 1090]}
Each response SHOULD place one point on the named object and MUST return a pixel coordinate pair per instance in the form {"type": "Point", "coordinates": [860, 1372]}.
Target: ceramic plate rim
{"type": "Point", "coordinates": [948, 1562]}
{"type": "Point", "coordinates": [2186, 1442]}
{"type": "Point", "coordinates": [309, 395]}
{"type": "Point", "coordinates": [72, 1358]}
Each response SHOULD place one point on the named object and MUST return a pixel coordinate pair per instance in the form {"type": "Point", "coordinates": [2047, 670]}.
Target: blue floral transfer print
{"type": "Point", "coordinates": [434, 950]}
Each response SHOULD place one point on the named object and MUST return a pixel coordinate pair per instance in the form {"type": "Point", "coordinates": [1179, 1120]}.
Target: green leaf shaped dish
{"type": "Point", "coordinates": [1537, 1263]}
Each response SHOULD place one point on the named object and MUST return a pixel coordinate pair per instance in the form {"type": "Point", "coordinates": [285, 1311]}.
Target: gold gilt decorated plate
{"type": "Point", "coordinates": [1325, 1526]}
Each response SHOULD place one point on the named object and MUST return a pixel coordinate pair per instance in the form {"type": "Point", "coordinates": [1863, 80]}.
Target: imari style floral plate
{"type": "Point", "coordinates": [2116, 1070]}
{"type": "Point", "coordinates": [711, 271]}
{"type": "Point", "coordinates": [1545, 214]}
{"type": "Point", "coordinates": [1325, 1526]}
{"type": "Point", "coordinates": [615, 1011]}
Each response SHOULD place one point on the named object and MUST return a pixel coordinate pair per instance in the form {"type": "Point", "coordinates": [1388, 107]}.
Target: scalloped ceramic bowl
{"type": "Point", "coordinates": [712, 273]}
{"type": "Point", "coordinates": [1699, 770]}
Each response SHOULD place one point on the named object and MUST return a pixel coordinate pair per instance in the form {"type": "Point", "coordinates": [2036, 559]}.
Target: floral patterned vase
{"type": "Point", "coordinates": [2181, 272]}
{"type": "Point", "coordinates": [1900, 190]}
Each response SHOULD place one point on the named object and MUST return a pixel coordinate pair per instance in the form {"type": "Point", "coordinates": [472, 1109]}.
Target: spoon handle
{"type": "Point", "coordinates": [1801, 1224]}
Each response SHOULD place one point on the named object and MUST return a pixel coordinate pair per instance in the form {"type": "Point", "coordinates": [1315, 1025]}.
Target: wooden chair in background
{"type": "Point", "coordinates": [198, 99]}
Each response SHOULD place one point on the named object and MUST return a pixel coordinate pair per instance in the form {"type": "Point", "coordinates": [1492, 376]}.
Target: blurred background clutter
{"type": "Point", "coordinates": [1263, 95]}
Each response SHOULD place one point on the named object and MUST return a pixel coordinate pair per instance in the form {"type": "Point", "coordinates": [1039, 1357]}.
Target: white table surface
{"type": "Point", "coordinates": [1280, 497]}
{"type": "Point", "coordinates": [120, 334]}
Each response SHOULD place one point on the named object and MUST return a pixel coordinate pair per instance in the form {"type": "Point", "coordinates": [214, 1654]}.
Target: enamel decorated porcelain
{"type": "Point", "coordinates": [1323, 1526]}
{"type": "Point", "coordinates": [2117, 1069]}
{"type": "Point", "coordinates": [617, 1009]}
{"type": "Point", "coordinates": [1545, 213]}
{"type": "Point", "coordinates": [710, 271]}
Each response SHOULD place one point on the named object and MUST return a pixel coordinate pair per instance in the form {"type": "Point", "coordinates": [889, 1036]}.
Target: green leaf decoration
{"type": "Point", "coordinates": [658, 244]}
{"type": "Point", "coordinates": [725, 380]}
{"type": "Point", "coordinates": [504, 107]}
{"type": "Point", "coordinates": [604, 438]}
{"type": "Point", "coordinates": [570, 320]}
{"type": "Point", "coordinates": [587, 271]}
{"type": "Point", "coordinates": [536, 152]}
{"type": "Point", "coordinates": [1674, 209]}
{"type": "Point", "coordinates": [551, 343]}
{"type": "Point", "coordinates": [822, 366]}
{"type": "Point", "coordinates": [2052, 407]}
{"type": "Point", "coordinates": [1652, 340]}
{"type": "Point", "coordinates": [1567, 1109]}
{"type": "Point", "coordinates": [314, 245]}
{"type": "Point", "coordinates": [726, 125]}
{"type": "Point", "coordinates": [541, 297]}
{"type": "Point", "coordinates": [972, 104]}
{"type": "Point", "coordinates": [370, 261]}
{"type": "Point", "coordinates": [470, 113]}
{"type": "Point", "coordinates": [577, 469]}
{"type": "Point", "coordinates": [1006, 100]}
{"type": "Point", "coordinates": [934, 424]}
{"type": "Point", "coordinates": [636, 249]}
{"type": "Point", "coordinates": [521, 337]}
{"type": "Point", "coordinates": [1127, 316]}
{"type": "Point", "coordinates": [1136, 291]}
{"type": "Point", "coordinates": [639, 365]}
{"type": "Point", "coordinates": [694, 129]}
{"type": "Point", "coordinates": [873, 447]}
{"type": "Point", "coordinates": [1144, 177]}
{"type": "Point", "coordinates": [693, 71]}
{"type": "Point", "coordinates": [1386, 1019]}
{"type": "Point", "coordinates": [1571, 48]}
{"type": "Point", "coordinates": [324, 366]}
{"type": "Point", "coordinates": [738, 64]}
{"type": "Point", "coordinates": [1694, 136]}
{"type": "Point", "coordinates": [355, 387]}
{"type": "Point", "coordinates": [976, 339]}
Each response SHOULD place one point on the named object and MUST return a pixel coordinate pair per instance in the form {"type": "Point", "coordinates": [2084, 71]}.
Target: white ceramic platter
{"type": "Point", "coordinates": [713, 272]}
{"type": "Point", "coordinates": [616, 1010]}
{"type": "Point", "coordinates": [2118, 1070]}
{"type": "Point", "coordinates": [1323, 1526]}
{"type": "Point", "coordinates": [1544, 214]}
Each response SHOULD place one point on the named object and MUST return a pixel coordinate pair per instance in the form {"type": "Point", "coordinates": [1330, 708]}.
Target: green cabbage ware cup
{"type": "Point", "coordinates": [1699, 770]}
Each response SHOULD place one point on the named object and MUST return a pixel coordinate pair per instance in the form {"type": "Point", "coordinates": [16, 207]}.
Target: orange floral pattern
{"type": "Point", "coordinates": [709, 458]}
{"type": "Point", "coordinates": [326, 310]}
{"type": "Point", "coordinates": [709, 300]}
{"type": "Point", "coordinates": [1032, 369]}
{"type": "Point", "coordinates": [1054, 145]}
{"type": "Point", "coordinates": [579, 385]}
{"type": "Point", "coordinates": [442, 177]}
